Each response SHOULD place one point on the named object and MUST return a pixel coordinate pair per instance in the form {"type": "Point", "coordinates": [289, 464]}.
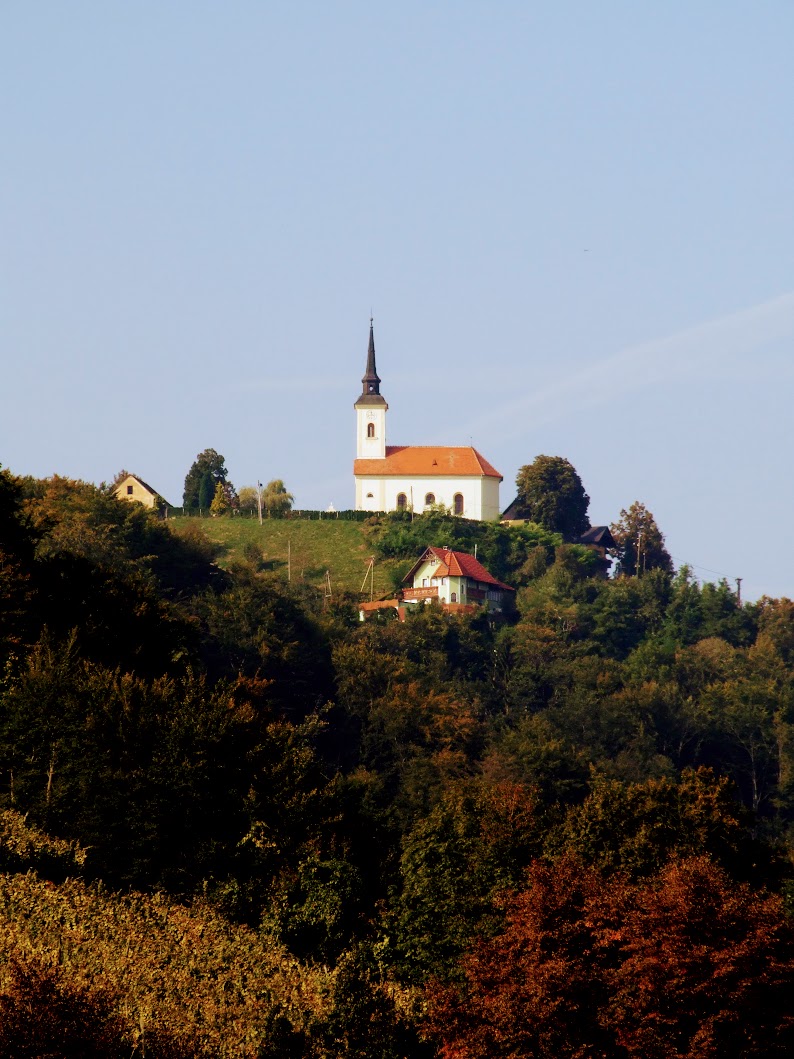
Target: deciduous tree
{"type": "Point", "coordinates": [551, 494]}
{"type": "Point", "coordinates": [478, 839]}
{"type": "Point", "coordinates": [689, 965]}
{"type": "Point", "coordinates": [208, 465]}
{"type": "Point", "coordinates": [247, 499]}
{"type": "Point", "coordinates": [637, 536]}
{"type": "Point", "coordinates": [275, 498]}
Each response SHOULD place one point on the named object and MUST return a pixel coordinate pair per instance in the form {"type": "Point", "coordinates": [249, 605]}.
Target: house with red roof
{"type": "Point", "coordinates": [415, 477]}
{"type": "Point", "coordinates": [454, 579]}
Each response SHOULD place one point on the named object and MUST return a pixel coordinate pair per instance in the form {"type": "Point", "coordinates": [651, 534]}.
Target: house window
{"type": "Point", "coordinates": [370, 430]}
{"type": "Point", "coordinates": [370, 496]}
{"type": "Point", "coordinates": [402, 501]}
{"type": "Point", "coordinates": [458, 503]}
{"type": "Point", "coordinates": [424, 582]}
{"type": "Point", "coordinates": [129, 490]}
{"type": "Point", "coordinates": [453, 597]}
{"type": "Point", "coordinates": [430, 499]}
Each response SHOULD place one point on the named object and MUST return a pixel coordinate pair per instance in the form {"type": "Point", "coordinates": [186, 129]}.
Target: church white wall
{"type": "Point", "coordinates": [490, 499]}
{"type": "Point", "coordinates": [373, 448]}
{"type": "Point", "coordinates": [480, 495]}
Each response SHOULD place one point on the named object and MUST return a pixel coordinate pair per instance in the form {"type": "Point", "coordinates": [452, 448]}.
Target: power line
{"type": "Point", "coordinates": [697, 566]}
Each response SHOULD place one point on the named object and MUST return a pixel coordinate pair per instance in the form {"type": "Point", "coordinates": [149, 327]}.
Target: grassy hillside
{"type": "Point", "coordinates": [315, 546]}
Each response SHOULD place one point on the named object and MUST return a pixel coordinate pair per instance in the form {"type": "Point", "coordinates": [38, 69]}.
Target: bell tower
{"type": "Point", "coordinates": [371, 411]}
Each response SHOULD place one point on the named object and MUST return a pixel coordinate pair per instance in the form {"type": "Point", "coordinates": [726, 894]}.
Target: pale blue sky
{"type": "Point", "coordinates": [574, 223]}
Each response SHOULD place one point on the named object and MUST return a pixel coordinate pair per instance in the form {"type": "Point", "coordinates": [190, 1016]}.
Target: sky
{"type": "Point", "coordinates": [572, 222]}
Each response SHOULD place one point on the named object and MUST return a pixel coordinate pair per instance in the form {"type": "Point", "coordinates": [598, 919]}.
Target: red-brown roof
{"type": "Point", "coordinates": [426, 460]}
{"type": "Point", "coordinates": [457, 564]}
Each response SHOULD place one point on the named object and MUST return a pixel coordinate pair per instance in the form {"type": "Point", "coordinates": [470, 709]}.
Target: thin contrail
{"type": "Point", "coordinates": [708, 350]}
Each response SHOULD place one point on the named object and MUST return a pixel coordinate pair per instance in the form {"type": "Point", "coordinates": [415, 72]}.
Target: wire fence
{"type": "Point", "coordinates": [307, 515]}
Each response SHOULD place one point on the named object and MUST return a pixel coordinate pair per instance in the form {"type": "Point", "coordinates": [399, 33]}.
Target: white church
{"type": "Point", "coordinates": [414, 477]}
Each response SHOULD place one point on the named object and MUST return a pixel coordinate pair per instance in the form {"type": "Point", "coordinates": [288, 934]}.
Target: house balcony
{"type": "Point", "coordinates": [427, 592]}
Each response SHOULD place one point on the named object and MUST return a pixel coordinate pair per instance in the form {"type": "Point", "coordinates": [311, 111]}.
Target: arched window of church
{"type": "Point", "coordinates": [430, 499]}
{"type": "Point", "coordinates": [370, 430]}
{"type": "Point", "coordinates": [458, 503]}
{"type": "Point", "coordinates": [402, 501]}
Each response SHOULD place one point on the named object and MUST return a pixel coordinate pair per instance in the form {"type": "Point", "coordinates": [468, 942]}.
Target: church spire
{"type": "Point", "coordinates": [370, 381]}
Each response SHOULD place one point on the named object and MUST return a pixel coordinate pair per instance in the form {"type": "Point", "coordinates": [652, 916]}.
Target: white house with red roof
{"type": "Point", "coordinates": [455, 578]}
{"type": "Point", "coordinates": [415, 477]}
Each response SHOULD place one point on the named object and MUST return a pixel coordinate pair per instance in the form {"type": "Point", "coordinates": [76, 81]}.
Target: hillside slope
{"type": "Point", "coordinates": [301, 549]}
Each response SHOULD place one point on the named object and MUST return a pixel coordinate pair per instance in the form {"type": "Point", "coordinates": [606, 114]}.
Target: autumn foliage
{"type": "Point", "coordinates": [235, 821]}
{"type": "Point", "coordinates": [687, 965]}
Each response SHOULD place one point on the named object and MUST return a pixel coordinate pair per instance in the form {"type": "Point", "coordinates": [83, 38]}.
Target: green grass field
{"type": "Point", "coordinates": [311, 546]}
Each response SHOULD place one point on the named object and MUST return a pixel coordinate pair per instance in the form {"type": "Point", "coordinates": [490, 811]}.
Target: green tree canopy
{"type": "Point", "coordinates": [275, 498]}
{"type": "Point", "coordinates": [208, 468]}
{"type": "Point", "coordinates": [247, 498]}
{"type": "Point", "coordinates": [550, 493]}
{"type": "Point", "coordinates": [636, 534]}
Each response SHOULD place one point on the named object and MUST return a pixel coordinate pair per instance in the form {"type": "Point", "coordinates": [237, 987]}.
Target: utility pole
{"type": "Point", "coordinates": [639, 553]}
{"type": "Point", "coordinates": [259, 500]}
{"type": "Point", "coordinates": [289, 559]}
{"type": "Point", "coordinates": [370, 573]}
{"type": "Point", "coordinates": [739, 591]}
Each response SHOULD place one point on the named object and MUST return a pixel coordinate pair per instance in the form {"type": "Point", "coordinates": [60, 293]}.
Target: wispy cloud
{"type": "Point", "coordinates": [715, 349]}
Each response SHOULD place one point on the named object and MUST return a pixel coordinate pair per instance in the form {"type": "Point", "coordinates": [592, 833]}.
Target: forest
{"type": "Point", "coordinates": [235, 821]}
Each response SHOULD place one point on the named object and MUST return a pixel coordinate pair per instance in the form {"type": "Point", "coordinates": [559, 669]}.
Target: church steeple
{"type": "Point", "coordinates": [371, 410]}
{"type": "Point", "coordinates": [371, 381]}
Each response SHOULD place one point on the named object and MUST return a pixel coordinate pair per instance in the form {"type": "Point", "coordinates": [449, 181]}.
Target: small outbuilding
{"type": "Point", "coordinates": [601, 541]}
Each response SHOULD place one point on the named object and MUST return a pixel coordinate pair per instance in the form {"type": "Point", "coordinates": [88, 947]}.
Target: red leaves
{"type": "Point", "coordinates": [688, 966]}
{"type": "Point", "coordinates": [706, 970]}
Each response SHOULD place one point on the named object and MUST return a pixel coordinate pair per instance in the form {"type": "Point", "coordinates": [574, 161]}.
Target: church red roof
{"type": "Point", "coordinates": [441, 461]}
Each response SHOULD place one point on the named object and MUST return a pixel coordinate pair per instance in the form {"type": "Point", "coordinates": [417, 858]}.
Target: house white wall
{"type": "Point", "coordinates": [455, 589]}
{"type": "Point", "coordinates": [447, 586]}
